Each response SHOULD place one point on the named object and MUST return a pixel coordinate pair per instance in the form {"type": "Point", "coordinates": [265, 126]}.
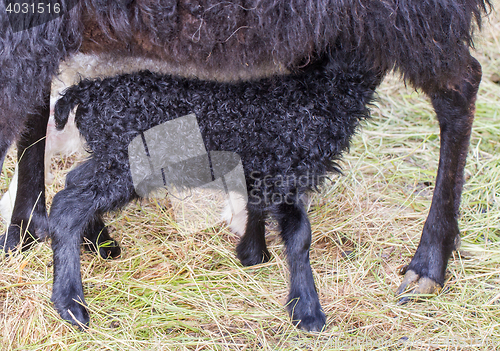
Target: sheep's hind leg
{"type": "Point", "coordinates": [303, 302]}
{"type": "Point", "coordinates": [29, 221]}
{"type": "Point", "coordinates": [252, 249]}
{"type": "Point", "coordinates": [455, 111]}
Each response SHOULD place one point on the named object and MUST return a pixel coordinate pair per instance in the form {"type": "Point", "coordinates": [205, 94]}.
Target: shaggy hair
{"type": "Point", "coordinates": [30, 56]}
{"type": "Point", "coordinates": [286, 129]}
{"type": "Point", "coordinates": [422, 39]}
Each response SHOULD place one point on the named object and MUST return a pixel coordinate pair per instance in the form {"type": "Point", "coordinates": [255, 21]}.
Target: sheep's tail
{"type": "Point", "coordinates": [73, 96]}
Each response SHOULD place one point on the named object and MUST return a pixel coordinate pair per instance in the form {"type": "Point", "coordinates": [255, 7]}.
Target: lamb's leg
{"type": "Point", "coordinates": [74, 210]}
{"type": "Point", "coordinates": [252, 249]}
{"type": "Point", "coordinates": [96, 237]}
{"type": "Point", "coordinates": [29, 218]}
{"type": "Point", "coordinates": [71, 212]}
{"type": "Point", "coordinates": [303, 302]}
{"type": "Point", "coordinates": [455, 111]}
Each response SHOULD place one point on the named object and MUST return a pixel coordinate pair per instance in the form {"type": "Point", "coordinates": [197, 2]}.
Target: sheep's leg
{"type": "Point", "coordinates": [29, 221]}
{"type": "Point", "coordinates": [303, 302]}
{"type": "Point", "coordinates": [252, 249]}
{"type": "Point", "coordinates": [455, 111]}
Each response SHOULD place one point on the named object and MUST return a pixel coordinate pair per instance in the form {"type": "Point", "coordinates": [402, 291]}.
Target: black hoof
{"type": "Point", "coordinates": [252, 257]}
{"type": "Point", "coordinates": [110, 249]}
{"type": "Point", "coordinates": [106, 249]}
{"type": "Point", "coordinates": [307, 316]}
{"type": "Point", "coordinates": [74, 312]}
{"type": "Point", "coordinates": [98, 240]}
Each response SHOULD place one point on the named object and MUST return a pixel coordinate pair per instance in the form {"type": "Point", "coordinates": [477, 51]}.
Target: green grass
{"type": "Point", "coordinates": [172, 290]}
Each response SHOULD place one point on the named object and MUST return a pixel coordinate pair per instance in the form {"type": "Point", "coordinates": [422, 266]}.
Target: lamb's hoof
{"type": "Point", "coordinates": [307, 318]}
{"type": "Point", "coordinates": [253, 259]}
{"type": "Point", "coordinates": [415, 287]}
{"type": "Point", "coordinates": [107, 249]}
{"type": "Point", "coordinates": [110, 249]}
{"type": "Point", "coordinates": [75, 313]}
{"type": "Point", "coordinates": [98, 240]}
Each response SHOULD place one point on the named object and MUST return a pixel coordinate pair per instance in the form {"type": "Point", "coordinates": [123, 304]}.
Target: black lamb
{"type": "Point", "coordinates": [283, 128]}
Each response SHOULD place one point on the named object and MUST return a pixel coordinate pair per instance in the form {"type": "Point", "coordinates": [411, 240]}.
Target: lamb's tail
{"type": "Point", "coordinates": [73, 96]}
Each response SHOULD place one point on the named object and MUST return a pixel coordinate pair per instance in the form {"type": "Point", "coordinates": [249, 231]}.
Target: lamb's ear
{"type": "Point", "coordinates": [63, 108]}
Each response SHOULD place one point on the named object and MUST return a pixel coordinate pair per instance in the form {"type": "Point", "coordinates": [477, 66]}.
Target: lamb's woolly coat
{"type": "Point", "coordinates": [283, 128]}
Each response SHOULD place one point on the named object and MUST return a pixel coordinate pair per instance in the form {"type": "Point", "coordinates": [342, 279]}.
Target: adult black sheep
{"type": "Point", "coordinates": [427, 41]}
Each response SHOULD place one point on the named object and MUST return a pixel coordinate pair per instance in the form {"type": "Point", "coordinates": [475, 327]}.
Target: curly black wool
{"type": "Point", "coordinates": [284, 127]}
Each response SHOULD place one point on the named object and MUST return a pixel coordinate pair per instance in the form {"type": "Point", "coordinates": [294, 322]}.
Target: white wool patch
{"type": "Point", "coordinates": [8, 199]}
{"type": "Point", "coordinates": [235, 214]}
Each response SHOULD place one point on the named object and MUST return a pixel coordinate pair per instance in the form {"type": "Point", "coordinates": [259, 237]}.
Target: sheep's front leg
{"type": "Point", "coordinates": [455, 111]}
{"type": "Point", "coordinates": [29, 218]}
{"type": "Point", "coordinates": [303, 302]}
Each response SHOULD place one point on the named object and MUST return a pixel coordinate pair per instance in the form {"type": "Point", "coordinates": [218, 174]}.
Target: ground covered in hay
{"type": "Point", "coordinates": [177, 290]}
